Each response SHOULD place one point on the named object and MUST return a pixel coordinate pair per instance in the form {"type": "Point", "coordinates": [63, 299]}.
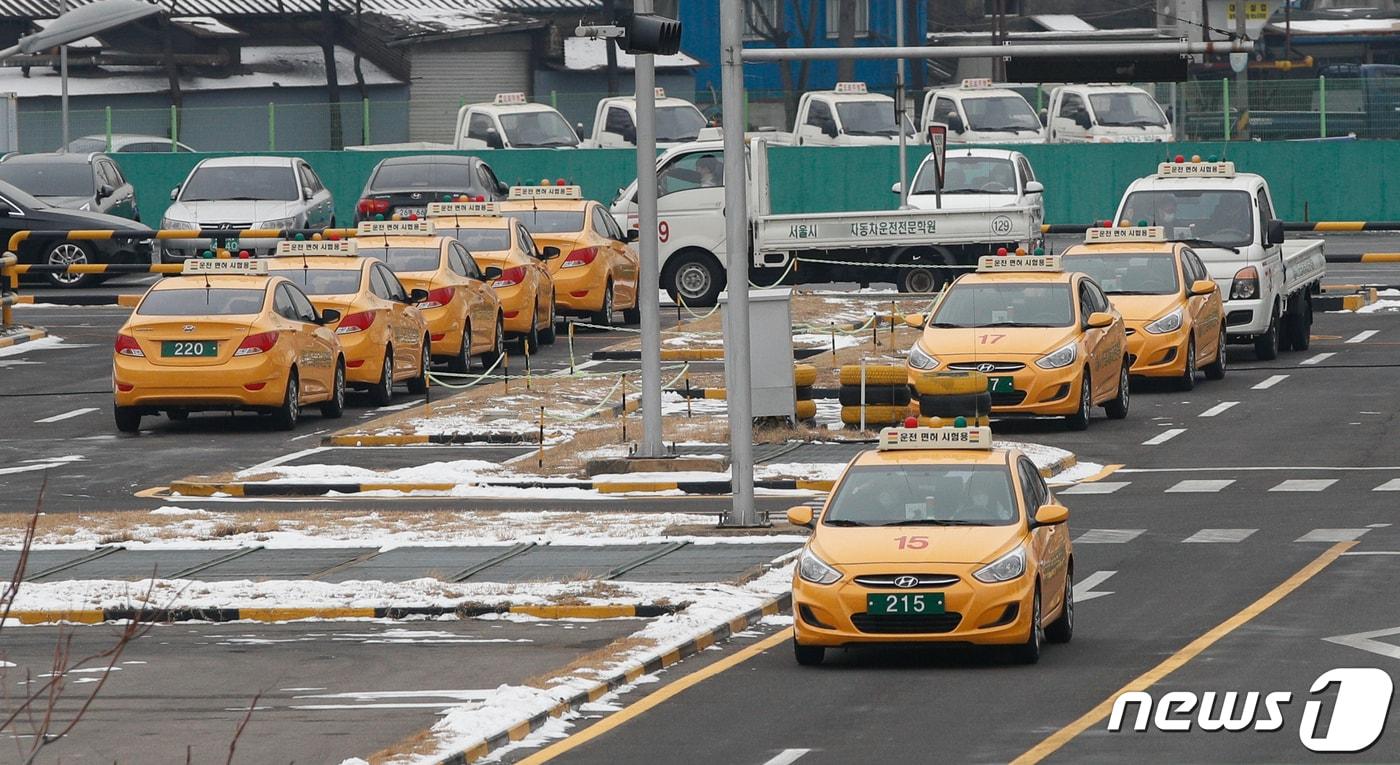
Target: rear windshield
{"type": "Point", "coordinates": [1145, 273]}
{"type": "Point", "coordinates": [479, 239]}
{"type": "Point", "coordinates": [49, 180]}
{"type": "Point", "coordinates": [1005, 305]}
{"type": "Point", "coordinates": [422, 175]}
{"type": "Point", "coordinates": [923, 495]}
{"type": "Point", "coordinates": [548, 221]}
{"type": "Point", "coordinates": [403, 260]}
{"type": "Point", "coordinates": [324, 281]}
{"type": "Point", "coordinates": [214, 301]}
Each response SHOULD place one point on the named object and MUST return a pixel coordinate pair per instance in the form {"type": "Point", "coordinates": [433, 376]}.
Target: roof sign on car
{"type": "Point", "coordinates": [318, 247]}
{"type": "Point", "coordinates": [1100, 235]}
{"type": "Point", "coordinates": [892, 439]}
{"type": "Point", "coordinates": [463, 209]}
{"type": "Point", "coordinates": [395, 227]}
{"type": "Point", "coordinates": [976, 82]}
{"type": "Point", "coordinates": [1195, 169]}
{"type": "Point", "coordinates": [546, 192]}
{"type": "Point", "coordinates": [990, 264]}
{"type": "Point", "coordinates": [224, 267]}
{"type": "Point", "coordinates": [509, 99]}
{"type": "Point", "coordinates": [851, 88]}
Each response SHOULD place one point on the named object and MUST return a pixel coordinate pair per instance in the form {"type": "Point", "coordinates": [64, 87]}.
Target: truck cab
{"type": "Point", "coordinates": [512, 122]}
{"type": "Point", "coordinates": [978, 179]}
{"type": "Point", "coordinates": [977, 112]}
{"type": "Point", "coordinates": [1105, 114]}
{"type": "Point", "coordinates": [848, 116]}
{"type": "Point", "coordinates": [1229, 220]}
{"type": "Point", "coordinates": [615, 122]}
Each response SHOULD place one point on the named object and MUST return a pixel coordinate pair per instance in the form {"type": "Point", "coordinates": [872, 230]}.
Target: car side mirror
{"type": "Point", "coordinates": [1099, 320]}
{"type": "Point", "coordinates": [1082, 119]}
{"type": "Point", "coordinates": [828, 128]}
{"type": "Point", "coordinates": [307, 193]}
{"type": "Point", "coordinates": [328, 316]}
{"type": "Point", "coordinates": [1035, 187]}
{"type": "Point", "coordinates": [801, 515]}
{"type": "Point", "coordinates": [915, 320]}
{"type": "Point", "coordinates": [1203, 287]}
{"type": "Point", "coordinates": [174, 193]}
{"type": "Point", "coordinates": [632, 235]}
{"type": "Point", "coordinates": [417, 296]}
{"type": "Point", "coordinates": [1044, 118]}
{"type": "Point", "coordinates": [1051, 515]}
{"type": "Point", "coordinates": [493, 138]}
{"type": "Point", "coordinates": [896, 188]}
{"type": "Point", "coordinates": [1276, 232]}
{"type": "Point", "coordinates": [955, 124]}
{"type": "Point", "coordinates": [550, 253]}
{"type": "Point", "coordinates": [502, 188]}
{"type": "Point", "coordinates": [630, 135]}
{"type": "Point", "coordinates": [105, 190]}
{"type": "Point", "coordinates": [490, 273]}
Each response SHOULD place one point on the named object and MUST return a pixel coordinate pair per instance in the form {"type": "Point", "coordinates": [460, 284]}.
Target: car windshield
{"type": "Point", "coordinates": [1221, 218]}
{"type": "Point", "coordinates": [1000, 113]}
{"type": "Point", "coordinates": [211, 301]}
{"type": "Point", "coordinates": [934, 495]}
{"type": "Point", "coordinates": [85, 145]}
{"type": "Point", "coordinates": [1139, 273]}
{"type": "Point", "coordinates": [548, 221]}
{"type": "Point", "coordinates": [1127, 110]}
{"type": "Point", "coordinates": [479, 239]}
{"type": "Point", "coordinates": [422, 175]}
{"type": "Point", "coordinates": [403, 260]}
{"type": "Point", "coordinates": [234, 182]}
{"type": "Point", "coordinates": [537, 129]}
{"type": "Point", "coordinates": [870, 118]}
{"type": "Point", "coordinates": [1005, 305]}
{"type": "Point", "coordinates": [678, 123]}
{"type": "Point", "coordinates": [324, 281]}
{"type": "Point", "coordinates": [45, 179]}
{"type": "Point", "coordinates": [968, 175]}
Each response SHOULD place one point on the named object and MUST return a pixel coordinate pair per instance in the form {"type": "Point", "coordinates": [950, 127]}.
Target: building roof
{"type": "Point", "coordinates": [42, 9]}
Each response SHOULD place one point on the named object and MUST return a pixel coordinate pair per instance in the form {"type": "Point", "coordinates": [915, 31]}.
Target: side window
{"type": "Point", "coordinates": [302, 305]}
{"type": "Point", "coordinates": [309, 179]}
{"type": "Point", "coordinates": [377, 286]}
{"type": "Point", "coordinates": [393, 285]}
{"type": "Point", "coordinates": [146, 147]}
{"type": "Point", "coordinates": [1027, 174]}
{"type": "Point", "coordinates": [1070, 105]}
{"type": "Point", "coordinates": [1032, 489]}
{"type": "Point", "coordinates": [527, 243]}
{"type": "Point", "coordinates": [456, 265]}
{"type": "Point", "coordinates": [1086, 301]}
{"type": "Point", "coordinates": [487, 180]}
{"type": "Point", "coordinates": [944, 110]}
{"type": "Point", "coordinates": [1096, 295]}
{"type": "Point", "coordinates": [468, 263]}
{"type": "Point", "coordinates": [619, 122]}
{"type": "Point", "coordinates": [818, 113]}
{"type": "Point", "coordinates": [699, 170]}
{"type": "Point", "coordinates": [1198, 268]}
{"type": "Point", "coordinates": [479, 126]}
{"type": "Point", "coordinates": [282, 303]}
{"type": "Point", "coordinates": [1266, 211]}
{"type": "Point", "coordinates": [600, 223]}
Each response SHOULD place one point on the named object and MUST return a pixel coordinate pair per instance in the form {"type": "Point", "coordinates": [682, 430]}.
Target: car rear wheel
{"type": "Point", "coordinates": [419, 384]}
{"type": "Point", "coordinates": [808, 655]}
{"type": "Point", "coordinates": [1266, 345]}
{"type": "Point", "coordinates": [1080, 419]}
{"type": "Point", "coordinates": [633, 315]}
{"type": "Point", "coordinates": [695, 278]}
{"type": "Point", "coordinates": [1187, 381]}
{"type": "Point", "coordinates": [462, 362]}
{"type": "Point", "coordinates": [68, 253]}
{"type": "Point", "coordinates": [498, 346]}
{"type": "Point", "coordinates": [335, 406]}
{"type": "Point", "coordinates": [382, 392]}
{"type": "Point", "coordinates": [286, 416]}
{"type": "Point", "coordinates": [1117, 407]}
{"type": "Point", "coordinates": [603, 317]}
{"type": "Point", "coordinates": [530, 341]}
{"type": "Point", "coordinates": [128, 419]}
{"type": "Point", "coordinates": [548, 335]}
{"type": "Point", "coordinates": [1215, 370]}
{"type": "Point", "coordinates": [1062, 629]}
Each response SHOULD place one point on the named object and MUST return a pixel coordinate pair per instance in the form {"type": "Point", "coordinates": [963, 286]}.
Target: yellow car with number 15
{"type": "Point", "coordinates": [935, 537]}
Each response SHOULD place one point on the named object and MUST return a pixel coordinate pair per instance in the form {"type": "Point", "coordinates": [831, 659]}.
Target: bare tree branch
{"type": "Point", "coordinates": [237, 734]}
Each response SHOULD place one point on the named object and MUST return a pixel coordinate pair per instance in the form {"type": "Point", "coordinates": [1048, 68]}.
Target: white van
{"type": "Point", "coordinates": [979, 112]}
{"type": "Point", "coordinates": [1105, 114]}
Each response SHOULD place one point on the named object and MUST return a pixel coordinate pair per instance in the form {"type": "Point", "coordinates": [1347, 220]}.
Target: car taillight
{"type": "Point", "coordinates": [372, 206]}
{"type": "Point", "coordinates": [255, 344]}
{"type": "Point", "coordinates": [580, 257]}
{"type": "Point", "coordinates": [437, 298]}
{"type": "Point", "coordinates": [355, 322]}
{"type": "Point", "coordinates": [1245, 285]}
{"type": "Point", "coordinates": [126, 345]}
{"type": "Point", "coordinates": [510, 277]}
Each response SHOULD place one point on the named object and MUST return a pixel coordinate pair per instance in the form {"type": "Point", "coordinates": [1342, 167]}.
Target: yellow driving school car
{"type": "Point", "coordinates": [935, 537]}
{"type": "Point", "coordinates": [597, 275]}
{"type": "Point", "coordinates": [1171, 308]}
{"type": "Point", "coordinates": [226, 335]}
{"type": "Point", "coordinates": [383, 336]}
{"type": "Point", "coordinates": [461, 309]}
{"type": "Point", "coordinates": [1048, 340]}
{"type": "Point", "coordinates": [524, 286]}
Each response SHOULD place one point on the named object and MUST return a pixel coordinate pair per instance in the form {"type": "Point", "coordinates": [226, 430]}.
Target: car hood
{"type": "Point", "coordinates": [1143, 308]}
{"type": "Point", "coordinates": [963, 201]}
{"type": "Point", "coordinates": [62, 217]}
{"type": "Point", "coordinates": [70, 203]}
{"type": "Point", "coordinates": [959, 344]}
{"type": "Point", "coordinates": [232, 211]}
{"type": "Point", "coordinates": [844, 547]}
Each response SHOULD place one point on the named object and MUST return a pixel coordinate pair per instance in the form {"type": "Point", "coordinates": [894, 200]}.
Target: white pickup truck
{"type": "Point", "coordinates": [615, 122]}
{"type": "Point", "coordinates": [847, 116]}
{"type": "Point", "coordinates": [1105, 114]}
{"type": "Point", "coordinates": [510, 121]}
{"type": "Point", "coordinates": [979, 112]}
{"type": "Point", "coordinates": [1228, 218]}
{"type": "Point", "coordinates": [909, 248]}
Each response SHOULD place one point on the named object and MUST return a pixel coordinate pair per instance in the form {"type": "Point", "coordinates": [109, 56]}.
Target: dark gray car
{"type": "Point", "coordinates": [91, 182]}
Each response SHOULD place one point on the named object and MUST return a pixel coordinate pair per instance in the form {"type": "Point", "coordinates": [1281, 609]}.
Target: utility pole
{"type": "Point", "coordinates": [900, 105]}
{"type": "Point", "coordinates": [63, 78]}
{"type": "Point", "coordinates": [610, 13]}
{"type": "Point", "coordinates": [648, 279]}
{"type": "Point", "coordinates": [1242, 76]}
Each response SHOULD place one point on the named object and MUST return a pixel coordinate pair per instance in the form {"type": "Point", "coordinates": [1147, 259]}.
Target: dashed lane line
{"type": "Point", "coordinates": [1227, 536]}
{"type": "Point", "coordinates": [1164, 436]}
{"type": "Point", "coordinates": [1219, 408]}
{"type": "Point", "coordinates": [787, 757]}
{"type": "Point", "coordinates": [1318, 359]}
{"type": "Point", "coordinates": [66, 415]}
{"type": "Point", "coordinates": [1199, 486]}
{"type": "Point", "coordinates": [1391, 485]}
{"type": "Point", "coordinates": [1108, 536]}
{"type": "Point", "coordinates": [1332, 535]}
{"type": "Point", "coordinates": [1101, 487]}
{"type": "Point", "coordinates": [1362, 337]}
{"type": "Point", "coordinates": [1305, 484]}
{"type": "Point", "coordinates": [1269, 382]}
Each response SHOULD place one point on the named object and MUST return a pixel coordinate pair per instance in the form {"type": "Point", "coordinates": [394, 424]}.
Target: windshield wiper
{"type": "Point", "coordinates": [937, 522]}
{"type": "Point", "coordinates": [1015, 324]}
{"type": "Point", "coordinates": [871, 132]}
{"type": "Point", "coordinates": [947, 325]}
{"type": "Point", "coordinates": [843, 522]}
{"type": "Point", "coordinates": [1198, 242]}
{"type": "Point", "coordinates": [1136, 292]}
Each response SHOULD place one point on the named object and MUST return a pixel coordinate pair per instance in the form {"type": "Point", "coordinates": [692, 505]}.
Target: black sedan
{"type": "Point", "coordinates": [405, 185]}
{"type": "Point", "coordinates": [21, 212]}
{"type": "Point", "coordinates": [90, 182]}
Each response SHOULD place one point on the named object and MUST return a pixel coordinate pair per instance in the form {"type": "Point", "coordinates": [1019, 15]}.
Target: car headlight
{"type": "Point", "coordinates": [1058, 359]}
{"type": "Point", "coordinates": [1003, 569]}
{"type": "Point", "coordinates": [278, 224]}
{"type": "Point", "coordinates": [920, 360]}
{"type": "Point", "coordinates": [1169, 323]}
{"type": "Point", "coordinates": [815, 570]}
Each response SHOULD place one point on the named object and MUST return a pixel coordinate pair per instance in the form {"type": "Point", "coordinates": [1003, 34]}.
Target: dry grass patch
{"type": "Point", "coordinates": [594, 662]}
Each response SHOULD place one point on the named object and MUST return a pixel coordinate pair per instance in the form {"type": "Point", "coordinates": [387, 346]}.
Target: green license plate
{"type": "Point", "coordinates": [189, 348]}
{"type": "Point", "coordinates": [905, 604]}
{"type": "Point", "coordinates": [1001, 384]}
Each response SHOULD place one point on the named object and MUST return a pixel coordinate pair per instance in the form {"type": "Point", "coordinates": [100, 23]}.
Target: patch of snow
{"type": "Point", "coordinates": [42, 344]}
{"type": "Point", "coordinates": [173, 510]}
{"type": "Point", "coordinates": [1075, 474]}
{"type": "Point", "coordinates": [1380, 306]}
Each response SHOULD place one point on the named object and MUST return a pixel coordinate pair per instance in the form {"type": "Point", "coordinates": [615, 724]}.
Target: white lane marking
{"type": "Point", "coordinates": [1164, 436]}
{"type": "Point", "coordinates": [1362, 337]}
{"type": "Point", "coordinates": [1218, 408]}
{"type": "Point", "coordinates": [787, 757]}
{"type": "Point", "coordinates": [1332, 535]}
{"type": "Point", "coordinates": [1098, 487]}
{"type": "Point", "coordinates": [1373, 552]}
{"type": "Point", "coordinates": [1269, 382]}
{"type": "Point", "coordinates": [386, 705]}
{"type": "Point", "coordinates": [1366, 641]}
{"type": "Point", "coordinates": [1220, 535]}
{"type": "Point", "coordinates": [306, 435]}
{"type": "Point", "coordinates": [1318, 359]}
{"type": "Point", "coordinates": [1291, 468]}
{"type": "Point", "coordinates": [275, 461]}
{"type": "Point", "coordinates": [1391, 485]}
{"type": "Point", "coordinates": [66, 415]}
{"type": "Point", "coordinates": [43, 464]}
{"type": "Point", "coordinates": [1305, 484]}
{"type": "Point", "coordinates": [1108, 536]}
{"type": "Point", "coordinates": [1198, 486]}
{"type": "Point", "coordinates": [1084, 589]}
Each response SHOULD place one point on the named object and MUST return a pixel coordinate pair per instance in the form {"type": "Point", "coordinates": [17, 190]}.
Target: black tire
{"type": "Point", "coordinates": [1117, 407]}
{"type": "Point", "coordinates": [128, 419]}
{"type": "Point", "coordinates": [1062, 629]}
{"type": "Point", "coordinates": [497, 348]}
{"type": "Point", "coordinates": [334, 407]}
{"type": "Point", "coordinates": [1215, 370]}
{"type": "Point", "coordinates": [1080, 419]}
{"type": "Point", "coordinates": [68, 252]}
{"type": "Point", "coordinates": [419, 384]}
{"type": "Point", "coordinates": [1187, 381]}
{"type": "Point", "coordinates": [603, 317]}
{"type": "Point", "coordinates": [286, 416]}
{"type": "Point", "coordinates": [530, 341]}
{"type": "Point", "coordinates": [808, 655]}
{"type": "Point", "coordinates": [694, 276]}
{"type": "Point", "coordinates": [1029, 651]}
{"type": "Point", "coordinates": [955, 404]}
{"type": "Point", "coordinates": [874, 394]}
{"type": "Point", "coordinates": [920, 280]}
{"type": "Point", "coordinates": [178, 415]}
{"type": "Point", "coordinates": [548, 335]}
{"type": "Point", "coordinates": [462, 361]}
{"type": "Point", "coordinates": [633, 315]}
{"type": "Point", "coordinates": [382, 392]}
{"type": "Point", "coordinates": [1266, 346]}
{"type": "Point", "coordinates": [1299, 326]}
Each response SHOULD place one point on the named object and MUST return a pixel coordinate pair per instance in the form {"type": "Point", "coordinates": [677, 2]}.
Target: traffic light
{"type": "Point", "coordinates": [649, 33]}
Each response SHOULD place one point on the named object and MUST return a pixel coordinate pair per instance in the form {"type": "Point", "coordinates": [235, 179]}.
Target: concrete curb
{"type": "Point", "coordinates": [653, 663]}
{"type": "Point", "coordinates": [125, 301]}
{"type": "Point", "coordinates": [260, 489]}
{"type": "Point", "coordinates": [1059, 466]}
{"type": "Point", "coordinates": [1352, 302]}
{"type": "Point", "coordinates": [24, 335]}
{"type": "Point", "coordinates": [444, 439]}
{"type": "Point", "coordinates": [100, 615]}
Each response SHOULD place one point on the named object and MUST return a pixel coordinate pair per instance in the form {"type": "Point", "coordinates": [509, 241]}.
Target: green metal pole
{"type": "Point", "coordinates": [365, 120]}
{"type": "Point", "coordinates": [554, 99]}
{"type": "Point", "coordinates": [107, 117]}
{"type": "Point", "coordinates": [174, 127]}
{"type": "Point", "coordinates": [271, 126]}
{"type": "Point", "coordinates": [1322, 105]}
{"type": "Point", "coordinates": [1225, 89]}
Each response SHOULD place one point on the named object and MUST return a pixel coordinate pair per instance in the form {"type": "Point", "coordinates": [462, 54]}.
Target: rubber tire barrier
{"type": "Point", "coordinates": [874, 375]}
{"type": "Point", "coordinates": [875, 415]}
{"type": "Point", "coordinates": [897, 395]}
{"type": "Point", "coordinates": [803, 393]}
{"type": "Point", "coordinates": [947, 422]}
{"type": "Point", "coordinates": [804, 375]}
{"type": "Point", "coordinates": [806, 410]}
{"type": "Point", "coordinates": [942, 383]}
{"type": "Point", "coordinates": [956, 405]}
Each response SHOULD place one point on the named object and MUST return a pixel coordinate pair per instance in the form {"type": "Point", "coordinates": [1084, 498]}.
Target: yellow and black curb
{"type": "Point", "coordinates": [23, 335]}
{"type": "Point", "coordinates": [125, 301]}
{"type": "Point", "coordinates": [164, 615]}
{"type": "Point", "coordinates": [612, 682]}
{"type": "Point", "coordinates": [281, 489]}
{"type": "Point", "coordinates": [1359, 299]}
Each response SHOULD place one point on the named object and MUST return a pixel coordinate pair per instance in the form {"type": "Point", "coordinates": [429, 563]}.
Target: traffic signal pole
{"type": "Point", "coordinates": [648, 278]}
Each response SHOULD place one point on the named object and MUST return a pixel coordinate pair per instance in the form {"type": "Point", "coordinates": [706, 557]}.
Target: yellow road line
{"type": "Point", "coordinates": [1107, 471]}
{"type": "Point", "coordinates": [1179, 659]}
{"type": "Point", "coordinates": [154, 491]}
{"type": "Point", "coordinates": [1380, 257]}
{"type": "Point", "coordinates": [656, 698]}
